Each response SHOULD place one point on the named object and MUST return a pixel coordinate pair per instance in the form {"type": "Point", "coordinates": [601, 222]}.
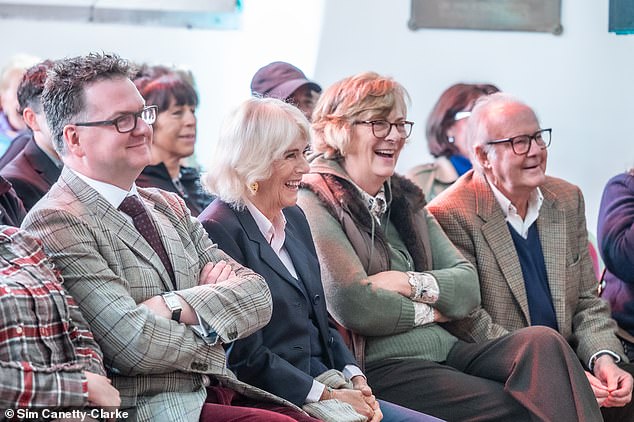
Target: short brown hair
{"type": "Point", "coordinates": [364, 94]}
{"type": "Point", "coordinates": [458, 97]}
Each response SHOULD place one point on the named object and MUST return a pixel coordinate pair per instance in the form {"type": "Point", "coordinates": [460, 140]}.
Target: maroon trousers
{"type": "Point", "coordinates": [225, 405]}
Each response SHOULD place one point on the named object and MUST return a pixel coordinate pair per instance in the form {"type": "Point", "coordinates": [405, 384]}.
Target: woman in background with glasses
{"type": "Point", "coordinates": [445, 133]}
{"type": "Point", "coordinates": [174, 136]}
{"type": "Point", "coordinates": [390, 273]}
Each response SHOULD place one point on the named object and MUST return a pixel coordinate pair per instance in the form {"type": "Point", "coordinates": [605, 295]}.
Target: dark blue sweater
{"type": "Point", "coordinates": [540, 301]}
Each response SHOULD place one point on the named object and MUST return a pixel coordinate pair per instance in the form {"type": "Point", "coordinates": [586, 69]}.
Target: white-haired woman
{"type": "Point", "coordinates": [256, 172]}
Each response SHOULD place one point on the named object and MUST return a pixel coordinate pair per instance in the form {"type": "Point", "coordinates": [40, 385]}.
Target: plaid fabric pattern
{"type": "Point", "coordinates": [160, 367]}
{"type": "Point", "coordinates": [44, 342]}
{"type": "Point", "coordinates": [475, 223]}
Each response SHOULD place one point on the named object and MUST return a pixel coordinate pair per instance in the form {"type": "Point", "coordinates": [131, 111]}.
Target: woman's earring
{"type": "Point", "coordinates": [253, 187]}
{"type": "Point", "coordinates": [451, 139]}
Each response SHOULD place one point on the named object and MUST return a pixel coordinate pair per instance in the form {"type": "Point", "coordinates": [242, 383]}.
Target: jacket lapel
{"type": "Point", "coordinates": [41, 163]}
{"type": "Point", "coordinates": [265, 252]}
{"type": "Point", "coordinates": [113, 221]}
{"type": "Point", "coordinates": [551, 226]}
{"type": "Point", "coordinates": [496, 232]}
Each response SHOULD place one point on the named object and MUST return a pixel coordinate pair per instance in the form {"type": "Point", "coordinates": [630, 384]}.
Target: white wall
{"type": "Point", "coordinates": [580, 83]}
{"type": "Point", "coordinates": [222, 61]}
{"type": "Point", "coordinates": [577, 82]}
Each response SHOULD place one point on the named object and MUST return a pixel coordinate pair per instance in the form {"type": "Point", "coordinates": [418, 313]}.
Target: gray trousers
{"type": "Point", "coordinates": [529, 375]}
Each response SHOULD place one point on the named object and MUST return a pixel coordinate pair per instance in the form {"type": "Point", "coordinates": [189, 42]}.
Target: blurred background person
{"type": "Point", "coordinates": [36, 166]}
{"type": "Point", "coordinates": [286, 82]}
{"type": "Point", "coordinates": [257, 168]}
{"type": "Point", "coordinates": [616, 244]}
{"type": "Point", "coordinates": [445, 134]}
{"type": "Point", "coordinates": [174, 137]}
{"type": "Point", "coordinates": [11, 121]}
{"type": "Point", "coordinates": [391, 274]}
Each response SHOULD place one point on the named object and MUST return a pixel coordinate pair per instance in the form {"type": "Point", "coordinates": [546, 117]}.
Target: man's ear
{"type": "Point", "coordinates": [482, 157]}
{"type": "Point", "coordinates": [72, 139]}
{"type": "Point", "coordinates": [29, 118]}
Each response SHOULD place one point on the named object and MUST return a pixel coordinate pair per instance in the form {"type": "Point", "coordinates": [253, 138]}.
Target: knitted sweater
{"type": "Point", "coordinates": [350, 247]}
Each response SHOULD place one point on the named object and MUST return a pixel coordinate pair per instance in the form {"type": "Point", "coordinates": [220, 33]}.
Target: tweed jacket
{"type": "Point", "coordinates": [159, 366]}
{"type": "Point", "coordinates": [32, 173]}
{"type": "Point", "coordinates": [45, 343]}
{"type": "Point", "coordinates": [475, 222]}
{"type": "Point", "coordinates": [277, 358]}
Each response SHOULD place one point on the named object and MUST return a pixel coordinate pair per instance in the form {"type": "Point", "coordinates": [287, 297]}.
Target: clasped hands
{"type": "Point", "coordinates": [360, 397]}
{"type": "Point", "coordinates": [612, 386]}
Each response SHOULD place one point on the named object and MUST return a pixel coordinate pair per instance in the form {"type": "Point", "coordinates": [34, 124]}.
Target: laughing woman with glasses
{"type": "Point", "coordinates": [391, 275]}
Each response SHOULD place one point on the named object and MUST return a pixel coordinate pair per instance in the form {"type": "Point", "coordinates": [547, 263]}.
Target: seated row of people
{"type": "Point", "coordinates": [166, 296]}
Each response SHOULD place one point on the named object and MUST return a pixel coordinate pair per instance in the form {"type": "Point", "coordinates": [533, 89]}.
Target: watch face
{"type": "Point", "coordinates": [172, 301]}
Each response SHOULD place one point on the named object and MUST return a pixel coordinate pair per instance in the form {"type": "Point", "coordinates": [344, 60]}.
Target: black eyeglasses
{"type": "Point", "coordinates": [521, 144]}
{"type": "Point", "coordinates": [127, 121]}
{"type": "Point", "coordinates": [382, 128]}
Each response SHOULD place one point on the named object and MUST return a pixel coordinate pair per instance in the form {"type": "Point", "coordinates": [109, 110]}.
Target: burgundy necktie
{"type": "Point", "coordinates": [133, 207]}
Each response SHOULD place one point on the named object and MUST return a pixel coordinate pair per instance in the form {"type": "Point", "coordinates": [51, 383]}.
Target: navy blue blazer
{"type": "Point", "coordinates": [277, 358]}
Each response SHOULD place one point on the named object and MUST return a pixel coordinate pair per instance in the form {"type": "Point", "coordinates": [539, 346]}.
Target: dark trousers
{"type": "Point", "coordinates": [529, 375]}
{"type": "Point", "coordinates": [226, 405]}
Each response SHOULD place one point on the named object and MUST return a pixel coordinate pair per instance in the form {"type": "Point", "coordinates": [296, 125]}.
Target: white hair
{"type": "Point", "coordinates": [252, 137]}
{"type": "Point", "coordinates": [485, 111]}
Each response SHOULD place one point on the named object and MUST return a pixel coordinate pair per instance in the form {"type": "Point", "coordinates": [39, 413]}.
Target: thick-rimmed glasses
{"type": "Point", "coordinates": [127, 121]}
{"type": "Point", "coordinates": [382, 128]}
{"type": "Point", "coordinates": [521, 144]}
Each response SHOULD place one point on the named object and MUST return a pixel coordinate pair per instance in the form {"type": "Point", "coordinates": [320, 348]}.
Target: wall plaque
{"type": "Point", "coordinates": [496, 15]}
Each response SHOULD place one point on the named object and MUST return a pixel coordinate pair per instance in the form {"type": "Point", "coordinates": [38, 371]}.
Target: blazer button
{"type": "Point", "coordinates": [316, 299]}
{"type": "Point", "coordinates": [331, 341]}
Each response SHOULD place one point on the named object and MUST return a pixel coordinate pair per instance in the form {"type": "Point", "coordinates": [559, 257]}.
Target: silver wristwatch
{"type": "Point", "coordinates": [173, 304]}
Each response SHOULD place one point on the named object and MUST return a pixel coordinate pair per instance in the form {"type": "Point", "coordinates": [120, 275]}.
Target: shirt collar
{"type": "Point", "coordinates": [113, 194]}
{"type": "Point", "coordinates": [520, 225]}
{"type": "Point", "coordinates": [377, 204]}
{"type": "Point", "coordinates": [273, 232]}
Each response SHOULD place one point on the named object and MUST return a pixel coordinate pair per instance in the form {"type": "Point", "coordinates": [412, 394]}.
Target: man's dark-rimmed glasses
{"type": "Point", "coordinates": [521, 144]}
{"type": "Point", "coordinates": [127, 121]}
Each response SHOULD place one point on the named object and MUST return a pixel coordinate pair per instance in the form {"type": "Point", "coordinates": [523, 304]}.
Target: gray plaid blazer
{"type": "Point", "coordinates": [159, 366]}
{"type": "Point", "coordinates": [475, 223]}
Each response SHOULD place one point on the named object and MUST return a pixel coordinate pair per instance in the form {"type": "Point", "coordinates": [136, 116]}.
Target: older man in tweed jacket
{"type": "Point", "coordinates": [160, 297]}
{"type": "Point", "coordinates": [526, 234]}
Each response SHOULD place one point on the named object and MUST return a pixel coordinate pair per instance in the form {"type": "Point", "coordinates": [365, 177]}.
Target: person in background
{"type": "Point", "coordinates": [37, 166]}
{"type": "Point", "coordinates": [257, 167]}
{"type": "Point", "coordinates": [391, 275]}
{"type": "Point", "coordinates": [12, 210]}
{"type": "Point", "coordinates": [446, 139]}
{"type": "Point", "coordinates": [526, 234]}
{"type": "Point", "coordinates": [11, 122]}
{"type": "Point", "coordinates": [616, 236]}
{"type": "Point", "coordinates": [48, 356]}
{"type": "Point", "coordinates": [174, 138]}
{"type": "Point", "coordinates": [286, 82]}
{"type": "Point", "coordinates": [160, 297]}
